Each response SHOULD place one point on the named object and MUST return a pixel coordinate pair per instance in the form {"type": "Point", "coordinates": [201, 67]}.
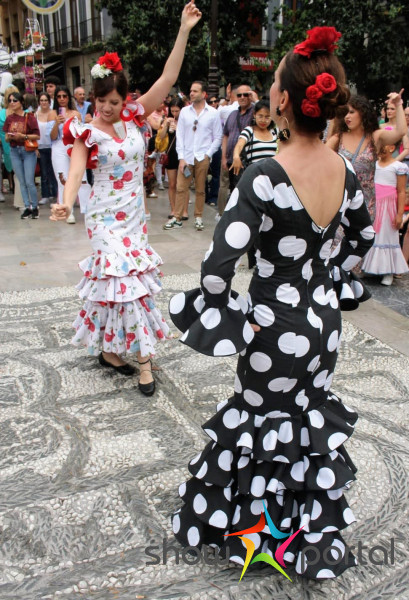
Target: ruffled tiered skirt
{"type": "Point", "coordinates": [278, 440]}
{"type": "Point", "coordinates": [119, 314]}
{"type": "Point", "coordinates": [297, 466]}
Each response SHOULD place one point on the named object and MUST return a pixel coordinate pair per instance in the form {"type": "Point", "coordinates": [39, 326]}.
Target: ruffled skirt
{"type": "Point", "coordinates": [296, 465]}
{"type": "Point", "coordinates": [119, 314]}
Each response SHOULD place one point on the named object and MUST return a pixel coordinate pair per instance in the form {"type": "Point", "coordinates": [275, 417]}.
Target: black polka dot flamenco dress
{"type": "Point", "coordinates": [280, 438]}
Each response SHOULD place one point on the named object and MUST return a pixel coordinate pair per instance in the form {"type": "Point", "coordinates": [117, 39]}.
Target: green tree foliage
{"type": "Point", "coordinates": [374, 47]}
{"type": "Point", "coordinates": [145, 31]}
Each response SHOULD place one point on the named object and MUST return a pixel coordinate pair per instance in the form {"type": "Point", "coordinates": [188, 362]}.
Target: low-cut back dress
{"type": "Point", "coordinates": [279, 438]}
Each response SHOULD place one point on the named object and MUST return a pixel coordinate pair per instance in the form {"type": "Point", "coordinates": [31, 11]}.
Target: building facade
{"type": "Point", "coordinates": [75, 37]}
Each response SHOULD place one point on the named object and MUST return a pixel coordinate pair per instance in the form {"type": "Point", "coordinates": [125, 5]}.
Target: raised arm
{"type": "Point", "coordinates": [190, 17]}
{"type": "Point", "coordinates": [392, 136]}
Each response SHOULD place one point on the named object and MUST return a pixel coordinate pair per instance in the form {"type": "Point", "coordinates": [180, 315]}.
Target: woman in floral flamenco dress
{"type": "Point", "coordinates": [121, 277]}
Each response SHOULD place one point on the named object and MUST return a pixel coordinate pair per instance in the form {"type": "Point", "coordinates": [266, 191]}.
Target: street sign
{"type": "Point", "coordinates": [257, 61]}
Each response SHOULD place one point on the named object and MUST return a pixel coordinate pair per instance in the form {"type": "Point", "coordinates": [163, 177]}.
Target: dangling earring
{"type": "Point", "coordinates": [284, 134]}
{"type": "Point", "coordinates": [278, 111]}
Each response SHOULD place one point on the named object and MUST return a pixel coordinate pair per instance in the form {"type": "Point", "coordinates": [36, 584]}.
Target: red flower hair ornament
{"type": "Point", "coordinates": [324, 84]}
{"type": "Point", "coordinates": [107, 64]}
{"type": "Point", "coordinates": [322, 39]}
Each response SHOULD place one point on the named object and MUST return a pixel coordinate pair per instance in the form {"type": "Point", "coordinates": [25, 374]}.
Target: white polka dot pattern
{"type": "Point", "coordinates": [237, 235]}
{"type": "Point", "coordinates": [234, 198]}
{"type": "Point", "coordinates": [287, 448]}
{"type": "Point", "coordinates": [214, 284]}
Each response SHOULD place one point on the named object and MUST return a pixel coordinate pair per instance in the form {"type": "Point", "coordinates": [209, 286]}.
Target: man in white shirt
{"type": "Point", "coordinates": [198, 136]}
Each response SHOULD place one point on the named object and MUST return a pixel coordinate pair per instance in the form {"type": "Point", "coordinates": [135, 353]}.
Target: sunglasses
{"type": "Point", "coordinates": [213, 101]}
{"type": "Point", "coordinates": [244, 94]}
{"type": "Point", "coordinates": [13, 100]}
{"type": "Point", "coordinates": [195, 125]}
{"type": "Point", "coordinates": [62, 95]}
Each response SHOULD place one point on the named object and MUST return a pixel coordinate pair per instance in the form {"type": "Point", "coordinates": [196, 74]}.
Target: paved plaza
{"type": "Point", "coordinates": [90, 468]}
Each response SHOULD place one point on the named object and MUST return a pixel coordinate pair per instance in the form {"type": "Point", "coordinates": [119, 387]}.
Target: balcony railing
{"type": "Point", "coordinates": [74, 37]}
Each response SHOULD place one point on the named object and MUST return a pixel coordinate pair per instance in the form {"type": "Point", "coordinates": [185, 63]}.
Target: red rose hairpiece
{"type": "Point", "coordinates": [107, 64]}
{"type": "Point", "coordinates": [324, 84]}
{"type": "Point", "coordinates": [318, 39]}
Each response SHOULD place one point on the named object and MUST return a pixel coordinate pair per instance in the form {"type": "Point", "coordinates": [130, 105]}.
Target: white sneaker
{"type": "Point", "coordinates": [387, 280]}
{"type": "Point", "coordinates": [199, 224]}
{"type": "Point", "coordinates": [161, 186]}
{"type": "Point", "coordinates": [43, 201]}
{"type": "Point", "coordinates": [71, 219]}
{"type": "Point", "coordinates": [153, 195]}
{"type": "Point", "coordinates": [173, 223]}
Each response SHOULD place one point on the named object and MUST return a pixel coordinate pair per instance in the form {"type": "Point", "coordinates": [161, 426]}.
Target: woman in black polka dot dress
{"type": "Point", "coordinates": [280, 438]}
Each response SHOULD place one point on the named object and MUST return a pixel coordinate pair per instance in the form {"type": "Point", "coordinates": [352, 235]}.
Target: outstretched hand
{"type": "Point", "coordinates": [191, 15]}
{"type": "Point", "coordinates": [395, 98]}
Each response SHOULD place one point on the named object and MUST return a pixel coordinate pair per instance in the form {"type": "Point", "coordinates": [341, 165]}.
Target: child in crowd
{"type": "Point", "coordinates": [385, 257]}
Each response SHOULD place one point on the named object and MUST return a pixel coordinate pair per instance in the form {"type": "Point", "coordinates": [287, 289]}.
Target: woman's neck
{"type": "Point", "coordinates": [358, 132]}
{"type": "Point", "coordinates": [262, 132]}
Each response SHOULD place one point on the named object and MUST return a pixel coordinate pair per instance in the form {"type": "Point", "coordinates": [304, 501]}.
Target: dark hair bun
{"type": "Point", "coordinates": [299, 72]}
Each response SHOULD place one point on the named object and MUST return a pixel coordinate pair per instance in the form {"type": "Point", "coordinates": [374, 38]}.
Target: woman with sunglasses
{"type": "Point", "coordinates": [63, 111]}
{"type": "Point", "coordinates": [19, 127]}
{"type": "Point", "coordinates": [45, 116]}
{"type": "Point", "coordinates": [119, 317]}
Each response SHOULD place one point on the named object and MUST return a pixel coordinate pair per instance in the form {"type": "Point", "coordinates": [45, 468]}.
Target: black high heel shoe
{"type": "Point", "coordinates": [123, 369]}
{"type": "Point", "coordinates": [147, 389]}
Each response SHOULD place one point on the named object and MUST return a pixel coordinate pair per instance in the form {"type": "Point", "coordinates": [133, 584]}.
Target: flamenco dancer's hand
{"type": "Point", "coordinates": [394, 98]}
{"type": "Point", "coordinates": [191, 15]}
{"type": "Point", "coordinates": [255, 328]}
{"type": "Point", "coordinates": [60, 212]}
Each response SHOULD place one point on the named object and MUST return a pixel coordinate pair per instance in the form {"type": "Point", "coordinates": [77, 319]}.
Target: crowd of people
{"type": "Point", "coordinates": [205, 142]}
{"type": "Point", "coordinates": [308, 184]}
{"type": "Point", "coordinates": [31, 139]}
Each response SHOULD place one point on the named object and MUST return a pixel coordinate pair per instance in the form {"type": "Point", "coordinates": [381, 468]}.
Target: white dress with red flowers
{"type": "Point", "coordinates": [121, 276]}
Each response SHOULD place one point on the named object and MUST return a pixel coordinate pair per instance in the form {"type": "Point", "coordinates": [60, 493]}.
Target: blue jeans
{"type": "Point", "coordinates": [24, 166]}
{"type": "Point", "coordinates": [49, 186]}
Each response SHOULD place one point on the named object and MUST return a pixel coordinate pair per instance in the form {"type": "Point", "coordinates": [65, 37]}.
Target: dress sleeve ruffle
{"type": "Point", "coordinates": [349, 288]}
{"type": "Point", "coordinates": [211, 331]}
{"type": "Point", "coordinates": [73, 130]}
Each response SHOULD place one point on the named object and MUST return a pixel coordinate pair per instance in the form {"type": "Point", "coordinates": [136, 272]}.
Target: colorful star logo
{"type": "Point", "coordinates": [263, 557]}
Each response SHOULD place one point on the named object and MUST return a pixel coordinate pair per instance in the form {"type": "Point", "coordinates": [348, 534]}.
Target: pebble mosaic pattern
{"type": "Point", "coordinates": [89, 468]}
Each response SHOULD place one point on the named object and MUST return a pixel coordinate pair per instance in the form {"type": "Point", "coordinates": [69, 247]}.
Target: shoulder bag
{"type": "Point", "coordinates": [164, 157]}
{"type": "Point", "coordinates": [244, 155]}
{"type": "Point", "coordinates": [29, 145]}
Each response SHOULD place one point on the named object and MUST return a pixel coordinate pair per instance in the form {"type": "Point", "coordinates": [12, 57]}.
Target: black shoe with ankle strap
{"type": "Point", "coordinates": [147, 389]}
{"type": "Point", "coordinates": [125, 369]}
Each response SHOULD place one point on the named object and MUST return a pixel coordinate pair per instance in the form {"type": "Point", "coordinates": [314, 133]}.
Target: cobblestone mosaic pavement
{"type": "Point", "coordinates": [90, 468]}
